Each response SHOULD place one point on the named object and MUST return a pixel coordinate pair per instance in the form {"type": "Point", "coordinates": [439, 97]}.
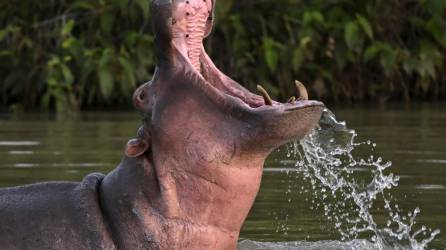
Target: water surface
{"type": "Point", "coordinates": [41, 147]}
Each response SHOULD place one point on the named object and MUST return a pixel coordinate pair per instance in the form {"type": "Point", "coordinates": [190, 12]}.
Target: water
{"type": "Point", "coordinates": [307, 245]}
{"type": "Point", "coordinates": [346, 188]}
{"type": "Point", "coordinates": [286, 215]}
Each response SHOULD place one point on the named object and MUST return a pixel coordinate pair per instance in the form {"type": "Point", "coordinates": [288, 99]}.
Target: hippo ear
{"type": "Point", "coordinates": [136, 148]}
{"type": "Point", "coordinates": [210, 21]}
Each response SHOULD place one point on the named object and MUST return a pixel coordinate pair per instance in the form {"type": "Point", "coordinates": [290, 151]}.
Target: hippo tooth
{"type": "Point", "coordinates": [292, 99]}
{"type": "Point", "coordinates": [266, 97]}
{"type": "Point", "coordinates": [303, 93]}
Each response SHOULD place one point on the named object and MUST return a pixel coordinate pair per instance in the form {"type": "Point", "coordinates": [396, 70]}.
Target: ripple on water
{"type": "Point", "coordinates": [82, 165]}
{"type": "Point", "coordinates": [433, 161]}
{"type": "Point", "coordinates": [416, 152]}
{"type": "Point", "coordinates": [431, 187]}
{"type": "Point", "coordinates": [280, 170]}
{"type": "Point", "coordinates": [307, 245]}
{"type": "Point", "coordinates": [26, 165]}
{"type": "Point", "coordinates": [56, 165]}
{"type": "Point", "coordinates": [19, 143]}
{"type": "Point", "coordinates": [18, 152]}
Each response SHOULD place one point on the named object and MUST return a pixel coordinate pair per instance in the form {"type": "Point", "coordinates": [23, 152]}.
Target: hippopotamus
{"type": "Point", "coordinates": [192, 173]}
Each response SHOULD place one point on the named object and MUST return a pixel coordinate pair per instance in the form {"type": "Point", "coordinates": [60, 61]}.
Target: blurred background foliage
{"type": "Point", "coordinates": [80, 54]}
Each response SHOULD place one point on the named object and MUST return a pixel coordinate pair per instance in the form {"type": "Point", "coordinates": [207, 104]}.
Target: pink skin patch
{"type": "Point", "coordinates": [189, 26]}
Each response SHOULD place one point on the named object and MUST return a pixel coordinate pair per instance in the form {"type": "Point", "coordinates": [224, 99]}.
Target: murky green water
{"type": "Point", "coordinates": [36, 147]}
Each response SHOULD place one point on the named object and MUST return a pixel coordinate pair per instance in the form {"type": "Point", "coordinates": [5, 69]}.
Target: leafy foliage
{"type": "Point", "coordinates": [81, 53]}
{"type": "Point", "coordinates": [70, 54]}
{"type": "Point", "coordinates": [344, 50]}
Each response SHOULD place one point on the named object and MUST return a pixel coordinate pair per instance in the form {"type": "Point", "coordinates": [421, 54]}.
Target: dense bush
{"type": "Point", "coordinates": [82, 53]}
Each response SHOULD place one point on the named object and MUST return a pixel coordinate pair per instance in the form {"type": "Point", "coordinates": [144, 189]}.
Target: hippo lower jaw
{"type": "Point", "coordinates": [287, 121]}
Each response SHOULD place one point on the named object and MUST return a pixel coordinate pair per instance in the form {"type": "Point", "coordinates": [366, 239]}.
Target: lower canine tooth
{"type": "Point", "coordinates": [303, 93]}
{"type": "Point", "coordinates": [266, 97]}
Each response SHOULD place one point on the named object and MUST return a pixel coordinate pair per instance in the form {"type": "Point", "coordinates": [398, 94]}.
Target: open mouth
{"type": "Point", "coordinates": [224, 87]}
{"type": "Point", "coordinates": [261, 101]}
{"type": "Point", "coordinates": [189, 28]}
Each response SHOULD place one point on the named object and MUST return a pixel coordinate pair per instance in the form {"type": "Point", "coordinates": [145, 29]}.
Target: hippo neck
{"type": "Point", "coordinates": [136, 196]}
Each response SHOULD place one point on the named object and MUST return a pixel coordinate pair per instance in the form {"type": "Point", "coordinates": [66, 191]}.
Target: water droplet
{"type": "Point", "coordinates": [331, 172]}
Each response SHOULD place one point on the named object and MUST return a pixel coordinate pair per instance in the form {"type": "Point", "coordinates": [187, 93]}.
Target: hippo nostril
{"type": "Point", "coordinates": [141, 96]}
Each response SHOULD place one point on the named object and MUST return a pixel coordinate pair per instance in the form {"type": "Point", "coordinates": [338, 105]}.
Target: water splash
{"type": "Point", "coordinates": [347, 188]}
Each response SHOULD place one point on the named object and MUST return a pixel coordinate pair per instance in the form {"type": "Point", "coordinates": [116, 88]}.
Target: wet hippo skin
{"type": "Point", "coordinates": [191, 175]}
{"type": "Point", "coordinates": [54, 216]}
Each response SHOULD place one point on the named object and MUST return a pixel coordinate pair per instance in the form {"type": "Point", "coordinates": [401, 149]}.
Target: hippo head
{"type": "Point", "coordinates": [190, 100]}
{"type": "Point", "coordinates": [205, 136]}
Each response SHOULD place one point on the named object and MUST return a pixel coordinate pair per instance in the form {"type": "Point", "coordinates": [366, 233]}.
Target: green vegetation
{"type": "Point", "coordinates": [84, 53]}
